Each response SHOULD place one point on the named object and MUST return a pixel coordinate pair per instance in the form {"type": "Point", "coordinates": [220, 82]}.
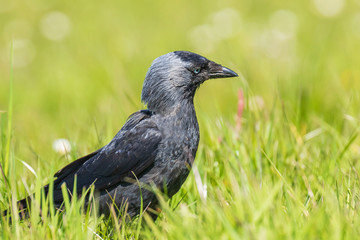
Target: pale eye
{"type": "Point", "coordinates": [197, 70]}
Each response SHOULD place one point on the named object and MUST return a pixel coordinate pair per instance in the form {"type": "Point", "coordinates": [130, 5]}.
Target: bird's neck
{"type": "Point", "coordinates": [182, 114]}
{"type": "Point", "coordinates": [183, 109]}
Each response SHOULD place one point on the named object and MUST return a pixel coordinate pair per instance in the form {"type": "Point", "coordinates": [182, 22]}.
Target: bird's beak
{"type": "Point", "coordinates": [218, 71]}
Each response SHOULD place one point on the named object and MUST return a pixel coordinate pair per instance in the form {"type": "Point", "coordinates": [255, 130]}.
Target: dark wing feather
{"type": "Point", "coordinates": [70, 169]}
{"type": "Point", "coordinates": [73, 167]}
{"type": "Point", "coordinates": [132, 150]}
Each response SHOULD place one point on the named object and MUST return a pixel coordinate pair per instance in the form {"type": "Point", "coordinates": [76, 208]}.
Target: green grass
{"type": "Point", "coordinates": [269, 179]}
{"type": "Point", "coordinates": [290, 171]}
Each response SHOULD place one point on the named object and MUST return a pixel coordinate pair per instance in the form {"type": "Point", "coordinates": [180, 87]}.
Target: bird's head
{"type": "Point", "coordinates": [174, 77]}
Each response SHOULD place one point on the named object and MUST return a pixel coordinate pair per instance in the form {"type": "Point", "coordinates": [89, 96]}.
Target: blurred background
{"type": "Point", "coordinates": [79, 66]}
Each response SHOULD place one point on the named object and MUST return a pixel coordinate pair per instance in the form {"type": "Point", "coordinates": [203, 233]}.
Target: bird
{"type": "Point", "coordinates": [155, 147]}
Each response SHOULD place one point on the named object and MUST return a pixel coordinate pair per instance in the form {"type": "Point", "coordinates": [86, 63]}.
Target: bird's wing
{"type": "Point", "coordinates": [73, 167]}
{"type": "Point", "coordinates": [70, 169]}
{"type": "Point", "coordinates": [131, 151]}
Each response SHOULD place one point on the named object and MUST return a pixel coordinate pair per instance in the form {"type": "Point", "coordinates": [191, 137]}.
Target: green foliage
{"type": "Point", "coordinates": [287, 168]}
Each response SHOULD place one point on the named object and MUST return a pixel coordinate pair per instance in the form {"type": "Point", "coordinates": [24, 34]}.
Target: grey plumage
{"type": "Point", "coordinates": [158, 145]}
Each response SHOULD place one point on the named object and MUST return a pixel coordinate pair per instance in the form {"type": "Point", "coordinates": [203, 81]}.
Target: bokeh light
{"type": "Point", "coordinates": [285, 22]}
{"type": "Point", "coordinates": [24, 52]}
{"type": "Point", "coordinates": [220, 25]}
{"type": "Point", "coordinates": [329, 8]}
{"type": "Point", "coordinates": [355, 25]}
{"type": "Point", "coordinates": [55, 26]}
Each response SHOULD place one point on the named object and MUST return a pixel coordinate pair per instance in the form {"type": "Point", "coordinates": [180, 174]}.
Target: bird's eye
{"type": "Point", "coordinates": [197, 70]}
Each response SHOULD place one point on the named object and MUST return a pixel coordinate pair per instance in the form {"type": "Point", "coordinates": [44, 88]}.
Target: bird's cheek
{"type": "Point", "coordinates": [201, 78]}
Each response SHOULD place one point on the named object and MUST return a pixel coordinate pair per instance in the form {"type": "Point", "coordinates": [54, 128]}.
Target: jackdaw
{"type": "Point", "coordinates": [157, 146]}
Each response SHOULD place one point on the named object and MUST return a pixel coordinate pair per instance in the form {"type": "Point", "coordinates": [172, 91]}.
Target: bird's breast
{"type": "Point", "coordinates": [174, 160]}
{"type": "Point", "coordinates": [177, 150]}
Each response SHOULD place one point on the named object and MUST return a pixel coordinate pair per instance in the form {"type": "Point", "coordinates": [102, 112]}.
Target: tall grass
{"type": "Point", "coordinates": [284, 167]}
{"type": "Point", "coordinates": [269, 179]}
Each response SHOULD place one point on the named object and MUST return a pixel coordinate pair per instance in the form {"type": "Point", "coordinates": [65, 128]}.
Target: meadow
{"type": "Point", "coordinates": [279, 150]}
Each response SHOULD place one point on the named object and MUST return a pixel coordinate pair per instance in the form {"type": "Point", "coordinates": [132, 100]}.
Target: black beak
{"type": "Point", "coordinates": [218, 71]}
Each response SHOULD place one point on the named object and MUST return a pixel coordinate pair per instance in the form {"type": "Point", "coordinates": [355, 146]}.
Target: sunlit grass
{"type": "Point", "coordinates": [268, 179]}
{"type": "Point", "coordinates": [289, 169]}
